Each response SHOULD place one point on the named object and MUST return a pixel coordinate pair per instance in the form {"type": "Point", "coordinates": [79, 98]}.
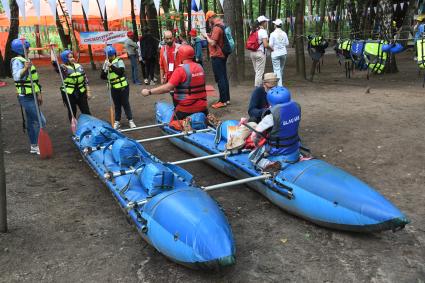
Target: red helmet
{"type": "Point", "coordinates": [186, 52]}
{"type": "Point", "coordinates": [130, 33]}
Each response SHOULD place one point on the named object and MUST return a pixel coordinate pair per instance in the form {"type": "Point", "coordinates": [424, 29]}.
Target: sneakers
{"type": "Point", "coordinates": [273, 167]}
{"type": "Point", "coordinates": [155, 79]}
{"type": "Point", "coordinates": [146, 81]}
{"type": "Point", "coordinates": [218, 105]}
{"type": "Point", "coordinates": [152, 83]}
{"type": "Point", "coordinates": [131, 124]}
{"type": "Point", "coordinates": [35, 149]}
{"type": "Point", "coordinates": [117, 125]}
{"type": "Point", "coordinates": [228, 102]}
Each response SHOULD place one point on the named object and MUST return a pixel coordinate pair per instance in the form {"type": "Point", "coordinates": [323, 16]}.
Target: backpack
{"type": "Point", "coordinates": [252, 42]}
{"type": "Point", "coordinates": [228, 42]}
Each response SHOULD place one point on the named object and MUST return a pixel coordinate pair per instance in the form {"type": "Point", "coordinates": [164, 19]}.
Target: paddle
{"type": "Point", "coordinates": [44, 142]}
{"type": "Point", "coordinates": [73, 120]}
{"type": "Point", "coordinates": [111, 107]}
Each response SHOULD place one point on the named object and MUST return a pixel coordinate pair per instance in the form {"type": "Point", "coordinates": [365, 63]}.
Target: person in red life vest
{"type": "Point", "coordinates": [168, 57]}
{"type": "Point", "coordinates": [188, 82]}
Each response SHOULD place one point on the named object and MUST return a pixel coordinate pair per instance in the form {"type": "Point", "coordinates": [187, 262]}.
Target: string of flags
{"type": "Point", "coordinates": [331, 16]}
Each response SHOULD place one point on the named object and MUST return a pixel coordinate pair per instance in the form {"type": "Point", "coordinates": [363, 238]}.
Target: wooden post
{"type": "Point", "coordinates": [3, 210]}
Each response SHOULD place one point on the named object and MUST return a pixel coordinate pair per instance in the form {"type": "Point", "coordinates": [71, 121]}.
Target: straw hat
{"type": "Point", "coordinates": [270, 77]}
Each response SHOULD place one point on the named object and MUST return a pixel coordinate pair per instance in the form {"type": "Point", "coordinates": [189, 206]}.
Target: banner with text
{"type": "Point", "coordinates": [103, 37]}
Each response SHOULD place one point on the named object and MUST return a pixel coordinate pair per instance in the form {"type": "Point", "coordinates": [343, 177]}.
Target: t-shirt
{"type": "Point", "coordinates": [217, 34]}
{"type": "Point", "coordinates": [258, 104]}
{"type": "Point", "coordinates": [178, 76]}
{"type": "Point", "coordinates": [131, 47]}
{"type": "Point", "coordinates": [278, 41]}
{"type": "Point", "coordinates": [262, 34]}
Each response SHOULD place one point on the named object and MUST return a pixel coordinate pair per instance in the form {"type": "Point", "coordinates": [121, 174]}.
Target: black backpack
{"type": "Point", "coordinates": [228, 42]}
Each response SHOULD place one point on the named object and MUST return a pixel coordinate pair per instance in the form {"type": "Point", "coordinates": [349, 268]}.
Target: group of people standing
{"type": "Point", "coordinates": [259, 43]}
{"type": "Point", "coordinates": [182, 75]}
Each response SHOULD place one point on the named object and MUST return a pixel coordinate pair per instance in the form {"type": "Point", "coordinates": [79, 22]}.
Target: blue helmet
{"type": "Point", "coordinates": [110, 51]}
{"type": "Point", "coordinates": [278, 95]}
{"type": "Point", "coordinates": [64, 55]}
{"type": "Point", "coordinates": [17, 46]}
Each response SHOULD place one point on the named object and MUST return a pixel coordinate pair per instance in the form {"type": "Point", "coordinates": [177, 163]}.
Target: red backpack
{"type": "Point", "coordinates": [252, 42]}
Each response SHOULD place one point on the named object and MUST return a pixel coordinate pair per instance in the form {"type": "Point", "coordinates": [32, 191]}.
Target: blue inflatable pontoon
{"type": "Point", "coordinates": [312, 189]}
{"type": "Point", "coordinates": [178, 219]}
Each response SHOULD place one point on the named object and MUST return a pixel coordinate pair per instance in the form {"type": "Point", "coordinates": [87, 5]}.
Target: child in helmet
{"type": "Point", "coordinates": [76, 84]}
{"type": "Point", "coordinates": [283, 119]}
{"type": "Point", "coordinates": [114, 70]}
{"type": "Point", "coordinates": [21, 71]}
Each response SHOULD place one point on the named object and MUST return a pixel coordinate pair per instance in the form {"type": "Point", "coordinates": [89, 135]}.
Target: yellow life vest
{"type": "Point", "coordinates": [116, 82]}
{"type": "Point", "coordinates": [374, 57]}
{"type": "Point", "coordinates": [420, 48]}
{"type": "Point", "coordinates": [75, 78]}
{"type": "Point", "coordinates": [24, 86]}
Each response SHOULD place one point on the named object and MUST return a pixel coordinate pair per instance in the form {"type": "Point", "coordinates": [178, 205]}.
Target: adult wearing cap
{"type": "Point", "coordinates": [208, 20]}
{"type": "Point", "coordinates": [218, 59]}
{"type": "Point", "coordinates": [168, 57]}
{"type": "Point", "coordinates": [197, 45]}
{"type": "Point", "coordinates": [75, 83]}
{"type": "Point", "coordinates": [114, 71]}
{"type": "Point", "coordinates": [281, 121]}
{"type": "Point", "coordinates": [258, 103]}
{"type": "Point", "coordinates": [132, 52]}
{"type": "Point", "coordinates": [278, 41]}
{"type": "Point", "coordinates": [188, 82]}
{"type": "Point", "coordinates": [419, 27]}
{"type": "Point", "coordinates": [258, 57]}
{"type": "Point", "coordinates": [22, 69]}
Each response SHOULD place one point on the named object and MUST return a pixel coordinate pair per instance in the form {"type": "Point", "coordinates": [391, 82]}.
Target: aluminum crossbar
{"type": "Point", "coordinates": [143, 127]}
{"type": "Point", "coordinates": [238, 182]}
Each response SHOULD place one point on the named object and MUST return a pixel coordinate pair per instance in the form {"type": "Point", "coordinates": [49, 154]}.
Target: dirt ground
{"type": "Point", "coordinates": [64, 226]}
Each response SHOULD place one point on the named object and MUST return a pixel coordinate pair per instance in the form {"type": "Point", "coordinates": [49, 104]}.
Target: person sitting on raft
{"type": "Point", "coordinates": [188, 82]}
{"type": "Point", "coordinates": [258, 103]}
{"type": "Point", "coordinates": [76, 84]}
{"type": "Point", "coordinates": [283, 142]}
{"type": "Point", "coordinates": [114, 71]}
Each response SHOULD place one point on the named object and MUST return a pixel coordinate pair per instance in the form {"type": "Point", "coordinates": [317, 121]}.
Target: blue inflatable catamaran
{"type": "Point", "coordinates": [178, 219]}
{"type": "Point", "coordinates": [312, 189]}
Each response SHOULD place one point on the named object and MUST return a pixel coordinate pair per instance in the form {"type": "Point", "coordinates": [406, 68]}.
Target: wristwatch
{"type": "Point", "coordinates": [150, 92]}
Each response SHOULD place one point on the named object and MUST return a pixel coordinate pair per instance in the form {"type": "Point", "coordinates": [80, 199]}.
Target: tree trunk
{"type": "Point", "coordinates": [166, 7]}
{"type": "Point", "coordinates": [142, 14]}
{"type": "Point", "coordinates": [153, 20]}
{"type": "Point", "coordinates": [133, 19]}
{"type": "Point", "coordinates": [319, 24]}
{"type": "Point", "coordinates": [299, 41]}
{"type": "Point", "coordinates": [93, 65]}
{"type": "Point", "coordinates": [407, 27]}
{"type": "Point", "coordinates": [263, 7]}
{"type": "Point", "coordinates": [205, 8]}
{"type": "Point", "coordinates": [104, 19]}
{"type": "Point", "coordinates": [13, 33]}
{"type": "Point", "coordinates": [64, 39]}
{"type": "Point", "coordinates": [229, 19]}
{"type": "Point", "coordinates": [386, 24]}
{"type": "Point", "coordinates": [240, 46]}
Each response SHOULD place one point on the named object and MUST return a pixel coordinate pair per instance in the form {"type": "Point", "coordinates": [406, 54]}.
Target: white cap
{"type": "Point", "coordinates": [261, 19]}
{"type": "Point", "coordinates": [278, 22]}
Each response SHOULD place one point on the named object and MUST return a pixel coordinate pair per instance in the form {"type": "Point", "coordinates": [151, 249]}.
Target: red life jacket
{"type": "Point", "coordinates": [190, 96]}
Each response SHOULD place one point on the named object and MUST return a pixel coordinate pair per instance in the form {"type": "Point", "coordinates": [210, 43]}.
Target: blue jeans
{"type": "Point", "coordinates": [278, 67]}
{"type": "Point", "coordinates": [134, 70]}
{"type": "Point", "coordinates": [33, 127]}
{"type": "Point", "coordinates": [220, 75]}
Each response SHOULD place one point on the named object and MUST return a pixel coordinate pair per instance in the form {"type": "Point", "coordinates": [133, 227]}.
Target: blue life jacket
{"type": "Point", "coordinates": [284, 137]}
